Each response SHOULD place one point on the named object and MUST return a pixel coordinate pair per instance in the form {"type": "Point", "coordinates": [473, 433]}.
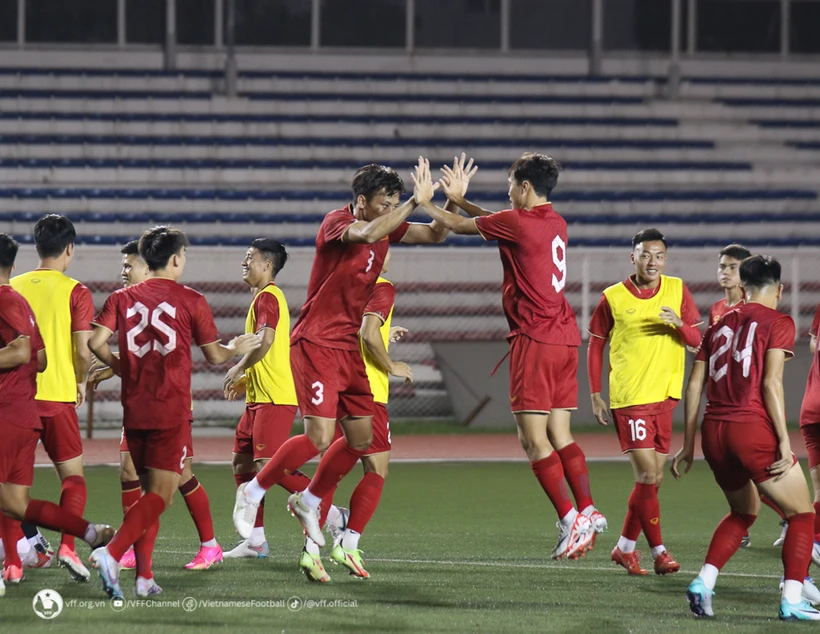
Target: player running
{"type": "Point", "coordinates": [265, 376]}
{"type": "Point", "coordinates": [649, 319]}
{"type": "Point", "coordinates": [544, 337]}
{"type": "Point", "coordinates": [135, 270]}
{"type": "Point", "coordinates": [64, 309]}
{"type": "Point", "coordinates": [329, 373]}
{"type": "Point", "coordinates": [156, 322]}
{"type": "Point", "coordinates": [745, 440]}
{"type": "Point", "coordinates": [22, 356]}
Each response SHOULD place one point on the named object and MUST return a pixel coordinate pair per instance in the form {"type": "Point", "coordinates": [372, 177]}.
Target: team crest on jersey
{"type": "Point", "coordinates": [630, 311]}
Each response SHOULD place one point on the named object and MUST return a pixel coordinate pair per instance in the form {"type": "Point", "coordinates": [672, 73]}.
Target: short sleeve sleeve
{"type": "Point", "coordinates": [815, 323]}
{"type": "Point", "coordinates": [381, 301]}
{"type": "Point", "coordinates": [335, 224]}
{"type": "Point", "coordinates": [781, 335]}
{"type": "Point", "coordinates": [602, 322]}
{"type": "Point", "coordinates": [204, 327]}
{"type": "Point", "coordinates": [37, 342]}
{"type": "Point", "coordinates": [107, 318]}
{"type": "Point", "coordinates": [266, 310]}
{"type": "Point", "coordinates": [502, 225]}
{"type": "Point", "coordinates": [398, 234]}
{"type": "Point", "coordinates": [689, 313]}
{"type": "Point", "coordinates": [703, 350]}
{"type": "Point", "coordinates": [16, 319]}
{"type": "Point", "coordinates": [82, 309]}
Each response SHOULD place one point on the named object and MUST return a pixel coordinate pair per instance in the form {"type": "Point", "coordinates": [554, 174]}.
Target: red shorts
{"type": "Point", "coordinates": [644, 427]}
{"type": "Point", "coordinates": [543, 377]}
{"type": "Point", "coordinates": [330, 383]}
{"type": "Point", "coordinates": [61, 431]}
{"type": "Point", "coordinates": [17, 454]}
{"type": "Point", "coordinates": [189, 442]}
{"type": "Point", "coordinates": [811, 436]}
{"type": "Point", "coordinates": [739, 452]}
{"type": "Point", "coordinates": [163, 449]}
{"type": "Point", "coordinates": [263, 428]}
{"type": "Point", "coordinates": [381, 431]}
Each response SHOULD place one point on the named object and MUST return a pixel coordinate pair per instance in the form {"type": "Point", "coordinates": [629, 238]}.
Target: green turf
{"type": "Point", "coordinates": [453, 548]}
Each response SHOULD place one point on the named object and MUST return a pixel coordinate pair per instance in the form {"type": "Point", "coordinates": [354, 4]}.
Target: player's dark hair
{"type": "Point", "coordinates": [539, 169]}
{"type": "Point", "coordinates": [736, 251]}
{"type": "Point", "coordinates": [132, 248]}
{"type": "Point", "coordinates": [52, 234]}
{"type": "Point", "coordinates": [373, 179]}
{"type": "Point", "coordinates": [8, 251]}
{"type": "Point", "coordinates": [648, 235]}
{"type": "Point", "coordinates": [759, 271]}
{"type": "Point", "coordinates": [157, 245]}
{"type": "Point", "coordinates": [273, 251]}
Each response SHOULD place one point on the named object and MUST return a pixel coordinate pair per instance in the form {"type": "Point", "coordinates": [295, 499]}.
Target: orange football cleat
{"type": "Point", "coordinates": [665, 564]}
{"type": "Point", "coordinates": [630, 561]}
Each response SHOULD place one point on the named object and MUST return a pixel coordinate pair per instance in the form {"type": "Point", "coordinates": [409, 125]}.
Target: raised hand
{"type": "Point", "coordinates": [455, 180]}
{"type": "Point", "coordinates": [424, 188]}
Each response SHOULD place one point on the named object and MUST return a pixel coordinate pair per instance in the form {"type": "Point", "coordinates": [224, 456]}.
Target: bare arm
{"type": "Point", "coordinates": [453, 222]}
{"type": "Point", "coordinates": [98, 344]}
{"type": "Point", "coordinates": [217, 353]}
{"type": "Point", "coordinates": [813, 344]}
{"type": "Point", "coordinates": [375, 346]}
{"type": "Point", "coordinates": [431, 233]}
{"type": "Point", "coordinates": [15, 354]}
{"type": "Point", "coordinates": [82, 355]}
{"type": "Point", "coordinates": [42, 360]}
{"type": "Point", "coordinates": [694, 390]}
{"type": "Point", "coordinates": [470, 208]}
{"type": "Point", "coordinates": [364, 232]}
{"type": "Point", "coordinates": [250, 359]}
{"type": "Point", "coordinates": [775, 402]}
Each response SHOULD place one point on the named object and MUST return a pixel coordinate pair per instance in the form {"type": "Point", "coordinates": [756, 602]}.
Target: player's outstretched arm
{"type": "Point", "coordinates": [253, 357]}
{"type": "Point", "coordinates": [16, 353]}
{"type": "Point", "coordinates": [98, 344]}
{"type": "Point", "coordinates": [373, 343]}
{"type": "Point", "coordinates": [775, 403]}
{"type": "Point", "coordinates": [217, 353]}
{"type": "Point", "coordinates": [694, 390]}
{"type": "Point", "coordinates": [423, 195]}
{"type": "Point", "coordinates": [454, 182]}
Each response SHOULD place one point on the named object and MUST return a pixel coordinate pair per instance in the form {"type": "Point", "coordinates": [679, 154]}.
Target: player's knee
{"type": "Point", "coordinates": [128, 474]}
{"type": "Point", "coordinates": [14, 507]}
{"type": "Point", "coordinates": [648, 477]}
{"type": "Point", "coordinates": [321, 438]}
{"type": "Point", "coordinates": [361, 443]}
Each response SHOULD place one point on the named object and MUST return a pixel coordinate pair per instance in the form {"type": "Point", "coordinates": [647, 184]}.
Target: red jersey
{"type": "Point", "coordinates": [18, 386]}
{"type": "Point", "coordinates": [810, 410]}
{"type": "Point", "coordinates": [721, 308]}
{"type": "Point", "coordinates": [533, 248]}
{"type": "Point", "coordinates": [341, 282]}
{"type": "Point", "coordinates": [156, 321]}
{"type": "Point", "coordinates": [735, 349]}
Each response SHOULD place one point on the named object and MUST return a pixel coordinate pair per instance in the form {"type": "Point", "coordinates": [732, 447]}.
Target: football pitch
{"type": "Point", "coordinates": [454, 547]}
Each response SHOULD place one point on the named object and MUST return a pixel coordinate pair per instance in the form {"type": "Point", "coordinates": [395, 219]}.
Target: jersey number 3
{"type": "Point", "coordinates": [163, 348]}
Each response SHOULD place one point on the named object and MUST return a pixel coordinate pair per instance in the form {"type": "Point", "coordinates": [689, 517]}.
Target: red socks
{"type": "Point", "coordinates": [12, 532]}
{"type": "Point", "coordinates": [72, 499]}
{"type": "Point", "coordinates": [817, 521]}
{"type": "Point", "coordinates": [337, 462]}
{"type": "Point", "coordinates": [144, 551]}
{"type": "Point", "coordinates": [131, 493]}
{"type": "Point", "coordinates": [196, 499]}
{"type": "Point", "coordinates": [797, 547]}
{"type": "Point", "coordinates": [575, 469]}
{"type": "Point", "coordinates": [768, 502]}
{"type": "Point", "coordinates": [727, 537]}
{"type": "Point", "coordinates": [138, 519]}
{"type": "Point", "coordinates": [632, 522]}
{"type": "Point", "coordinates": [293, 482]}
{"type": "Point", "coordinates": [288, 458]}
{"type": "Point", "coordinates": [55, 518]}
{"type": "Point", "coordinates": [324, 506]}
{"type": "Point", "coordinates": [364, 500]}
{"type": "Point", "coordinates": [550, 475]}
{"type": "Point", "coordinates": [644, 503]}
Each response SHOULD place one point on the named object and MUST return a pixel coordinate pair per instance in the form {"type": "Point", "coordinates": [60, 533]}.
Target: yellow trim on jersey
{"type": "Point", "coordinates": [378, 378]}
{"type": "Point", "coordinates": [49, 294]}
{"type": "Point", "coordinates": [271, 379]}
{"type": "Point", "coordinates": [646, 356]}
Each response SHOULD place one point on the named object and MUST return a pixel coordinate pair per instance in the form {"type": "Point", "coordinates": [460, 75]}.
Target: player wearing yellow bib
{"type": "Point", "coordinates": [649, 319]}
{"type": "Point", "coordinates": [265, 376]}
{"type": "Point", "coordinates": [64, 309]}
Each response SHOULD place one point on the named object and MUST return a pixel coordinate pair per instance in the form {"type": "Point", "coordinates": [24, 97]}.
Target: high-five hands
{"type": "Point", "coordinates": [455, 180]}
{"type": "Point", "coordinates": [424, 188]}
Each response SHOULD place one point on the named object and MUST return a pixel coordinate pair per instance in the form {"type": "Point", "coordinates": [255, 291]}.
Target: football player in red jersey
{"type": "Point", "coordinates": [745, 440]}
{"type": "Point", "coordinates": [544, 337]}
{"type": "Point", "coordinates": [22, 356]}
{"type": "Point", "coordinates": [810, 426]}
{"type": "Point", "coordinates": [328, 369]}
{"type": "Point", "coordinates": [156, 322]}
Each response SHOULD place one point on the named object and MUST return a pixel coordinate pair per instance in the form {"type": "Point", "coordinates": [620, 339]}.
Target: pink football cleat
{"type": "Point", "coordinates": [206, 557]}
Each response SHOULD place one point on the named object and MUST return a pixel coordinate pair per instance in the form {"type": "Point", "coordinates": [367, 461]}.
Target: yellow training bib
{"type": "Point", "coordinates": [378, 378]}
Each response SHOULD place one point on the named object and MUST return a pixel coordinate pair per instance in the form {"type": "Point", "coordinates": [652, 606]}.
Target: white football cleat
{"type": "Point", "coordinates": [574, 539]}
{"type": "Point", "coordinates": [810, 591]}
{"type": "Point", "coordinates": [2, 587]}
{"type": "Point", "coordinates": [109, 569]}
{"type": "Point", "coordinates": [779, 541]}
{"type": "Point", "coordinates": [308, 517]}
{"type": "Point", "coordinates": [244, 512]}
{"type": "Point", "coordinates": [246, 551]}
{"type": "Point", "coordinates": [815, 553]}
{"type": "Point", "coordinates": [337, 527]}
{"type": "Point", "coordinates": [147, 587]}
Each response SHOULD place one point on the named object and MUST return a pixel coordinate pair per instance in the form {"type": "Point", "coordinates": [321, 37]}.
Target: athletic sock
{"type": "Point", "coordinates": [293, 453]}
{"type": "Point", "coordinates": [55, 518]}
{"type": "Point", "coordinates": [137, 520]}
{"type": "Point", "coordinates": [312, 547]}
{"type": "Point", "coordinates": [575, 470]}
{"type": "Point", "coordinates": [325, 506]}
{"type": "Point", "coordinates": [626, 545]}
{"type": "Point", "coordinates": [817, 521]}
{"type": "Point", "coordinates": [350, 539]}
{"type": "Point", "coordinates": [310, 500]}
{"type": "Point", "coordinates": [72, 498]}
{"type": "Point", "coordinates": [550, 475]}
{"type": "Point", "coordinates": [727, 537]}
{"type": "Point", "coordinates": [131, 492]}
{"type": "Point", "coordinates": [144, 551]}
{"type": "Point", "coordinates": [257, 537]}
{"type": "Point", "coordinates": [295, 482]}
{"type": "Point", "coordinates": [709, 574]}
{"type": "Point", "coordinates": [647, 508]}
{"type": "Point", "coordinates": [12, 533]}
{"type": "Point", "coordinates": [797, 547]}
{"type": "Point", "coordinates": [337, 462]}
{"type": "Point", "coordinates": [364, 501]}
{"type": "Point", "coordinates": [196, 499]}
